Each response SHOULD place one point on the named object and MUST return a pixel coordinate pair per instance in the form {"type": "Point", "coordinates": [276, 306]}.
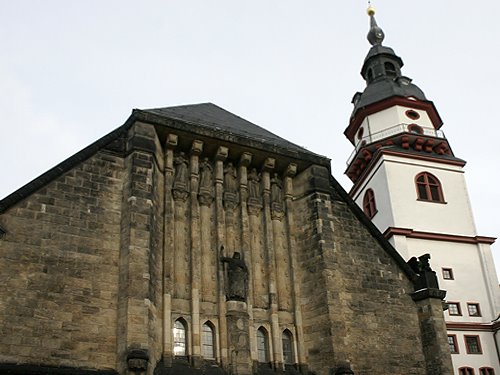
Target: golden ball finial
{"type": "Point", "coordinates": [370, 11]}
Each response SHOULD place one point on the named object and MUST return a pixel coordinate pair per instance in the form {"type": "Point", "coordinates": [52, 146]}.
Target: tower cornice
{"type": "Point", "coordinates": [362, 113]}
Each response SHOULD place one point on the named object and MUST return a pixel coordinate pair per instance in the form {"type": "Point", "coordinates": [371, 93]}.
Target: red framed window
{"type": "Point", "coordinates": [369, 205]}
{"type": "Point", "coordinates": [454, 308]}
{"type": "Point", "coordinates": [473, 344]}
{"type": "Point", "coordinates": [447, 273]}
{"type": "Point", "coordinates": [466, 371]}
{"type": "Point", "coordinates": [486, 371]}
{"type": "Point", "coordinates": [473, 309]}
{"type": "Point", "coordinates": [429, 188]}
{"type": "Point", "coordinates": [452, 341]}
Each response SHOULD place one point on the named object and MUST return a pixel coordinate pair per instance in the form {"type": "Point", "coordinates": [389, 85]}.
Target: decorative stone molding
{"type": "Point", "coordinates": [196, 147]}
{"type": "Point", "coordinates": [254, 207]}
{"type": "Point", "coordinates": [171, 141]}
{"type": "Point", "coordinates": [277, 209]}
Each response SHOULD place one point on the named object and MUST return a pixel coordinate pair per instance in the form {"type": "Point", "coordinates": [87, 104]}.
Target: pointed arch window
{"type": "Point", "coordinates": [429, 188]}
{"type": "Point", "coordinates": [262, 345]}
{"type": "Point", "coordinates": [208, 341]}
{"type": "Point", "coordinates": [287, 342]}
{"type": "Point", "coordinates": [180, 337]}
{"type": "Point", "coordinates": [369, 205]}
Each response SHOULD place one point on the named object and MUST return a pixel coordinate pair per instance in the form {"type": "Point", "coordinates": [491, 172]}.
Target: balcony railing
{"type": "Point", "coordinates": [397, 129]}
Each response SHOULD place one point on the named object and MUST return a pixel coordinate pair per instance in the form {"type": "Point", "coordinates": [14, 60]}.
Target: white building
{"type": "Point", "coordinates": [410, 183]}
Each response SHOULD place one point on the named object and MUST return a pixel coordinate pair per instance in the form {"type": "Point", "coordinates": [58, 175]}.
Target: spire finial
{"type": "Point", "coordinates": [375, 35]}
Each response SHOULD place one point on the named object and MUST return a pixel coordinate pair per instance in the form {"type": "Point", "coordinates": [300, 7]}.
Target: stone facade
{"type": "Point", "coordinates": [105, 255]}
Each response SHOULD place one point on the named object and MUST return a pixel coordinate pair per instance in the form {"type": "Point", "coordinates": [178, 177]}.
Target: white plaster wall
{"type": "Point", "coordinates": [392, 116]}
{"type": "Point", "coordinates": [476, 361]}
{"type": "Point", "coordinates": [469, 283]}
{"type": "Point", "coordinates": [452, 217]}
{"type": "Point", "coordinates": [377, 181]}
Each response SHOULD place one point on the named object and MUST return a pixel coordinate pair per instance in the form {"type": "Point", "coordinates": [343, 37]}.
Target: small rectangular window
{"type": "Point", "coordinates": [447, 273]}
{"type": "Point", "coordinates": [473, 345]}
{"type": "Point", "coordinates": [473, 309]}
{"type": "Point", "coordinates": [454, 308]}
{"type": "Point", "coordinates": [452, 341]}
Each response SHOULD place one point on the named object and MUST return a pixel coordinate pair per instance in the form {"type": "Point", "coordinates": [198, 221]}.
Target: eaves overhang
{"type": "Point", "coordinates": [370, 109]}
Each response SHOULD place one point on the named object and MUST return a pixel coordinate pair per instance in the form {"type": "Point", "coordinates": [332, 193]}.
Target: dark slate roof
{"type": "Point", "coordinates": [384, 89]}
{"type": "Point", "coordinates": [205, 115]}
{"type": "Point", "coordinates": [212, 117]}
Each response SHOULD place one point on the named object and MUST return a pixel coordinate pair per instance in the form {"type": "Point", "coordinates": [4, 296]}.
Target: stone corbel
{"type": "Point", "coordinates": [137, 360]}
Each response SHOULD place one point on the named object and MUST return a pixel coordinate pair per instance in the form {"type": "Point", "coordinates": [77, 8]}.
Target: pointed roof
{"type": "Point", "coordinates": [382, 72]}
{"type": "Point", "coordinates": [213, 117]}
{"type": "Point", "coordinates": [205, 118]}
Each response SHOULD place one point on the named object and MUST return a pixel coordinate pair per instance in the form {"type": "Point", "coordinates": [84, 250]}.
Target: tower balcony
{"type": "Point", "coordinates": [403, 136]}
{"type": "Point", "coordinates": [412, 130]}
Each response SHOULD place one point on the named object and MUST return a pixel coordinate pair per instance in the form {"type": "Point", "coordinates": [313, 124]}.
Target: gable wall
{"type": "Point", "coordinates": [59, 269]}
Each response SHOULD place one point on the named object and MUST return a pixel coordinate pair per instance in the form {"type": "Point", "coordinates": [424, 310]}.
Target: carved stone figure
{"type": "Point", "coordinates": [276, 193]}
{"type": "Point", "coordinates": [253, 184]}
{"type": "Point", "coordinates": [230, 179]}
{"type": "Point", "coordinates": [206, 175]}
{"type": "Point", "coordinates": [237, 278]}
{"type": "Point", "coordinates": [181, 166]}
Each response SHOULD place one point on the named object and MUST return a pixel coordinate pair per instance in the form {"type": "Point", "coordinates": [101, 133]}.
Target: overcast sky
{"type": "Point", "coordinates": [72, 71]}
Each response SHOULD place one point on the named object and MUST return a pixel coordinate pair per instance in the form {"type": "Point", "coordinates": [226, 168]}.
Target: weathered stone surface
{"type": "Point", "coordinates": [101, 262]}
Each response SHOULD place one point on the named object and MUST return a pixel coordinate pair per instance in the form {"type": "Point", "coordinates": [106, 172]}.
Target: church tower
{"type": "Point", "coordinates": [410, 183]}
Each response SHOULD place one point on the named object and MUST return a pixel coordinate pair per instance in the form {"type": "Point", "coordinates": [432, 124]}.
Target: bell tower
{"type": "Point", "coordinates": [410, 183]}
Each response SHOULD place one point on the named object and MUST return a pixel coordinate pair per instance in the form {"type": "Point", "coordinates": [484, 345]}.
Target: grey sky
{"type": "Point", "coordinates": [71, 71]}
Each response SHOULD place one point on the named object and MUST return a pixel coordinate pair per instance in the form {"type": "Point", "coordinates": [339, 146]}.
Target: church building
{"type": "Point", "coordinates": [192, 241]}
{"type": "Point", "coordinates": [410, 183]}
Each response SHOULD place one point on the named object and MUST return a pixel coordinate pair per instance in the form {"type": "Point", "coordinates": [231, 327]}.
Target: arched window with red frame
{"type": "Point", "coordinates": [429, 188]}
{"type": "Point", "coordinates": [369, 205]}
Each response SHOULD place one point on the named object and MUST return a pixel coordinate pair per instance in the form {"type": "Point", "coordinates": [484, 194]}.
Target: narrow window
{"type": "Point", "coordinates": [287, 348]}
{"type": "Point", "coordinates": [262, 345]}
{"type": "Point", "coordinates": [180, 337]}
{"type": "Point", "coordinates": [390, 69]}
{"type": "Point", "coordinates": [473, 309]}
{"type": "Point", "coordinates": [452, 341]}
{"type": "Point", "coordinates": [369, 206]}
{"type": "Point", "coordinates": [466, 371]}
{"type": "Point", "coordinates": [429, 188]}
{"type": "Point", "coordinates": [473, 345]}
{"type": "Point", "coordinates": [447, 273]}
{"type": "Point", "coordinates": [454, 308]}
{"type": "Point", "coordinates": [486, 371]}
{"type": "Point", "coordinates": [369, 75]}
{"type": "Point", "coordinates": [208, 341]}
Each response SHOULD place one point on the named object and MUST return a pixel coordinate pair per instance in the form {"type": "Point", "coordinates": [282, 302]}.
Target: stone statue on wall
{"type": "Point", "coordinates": [230, 179]}
{"type": "Point", "coordinates": [276, 192]}
{"type": "Point", "coordinates": [237, 275]}
{"type": "Point", "coordinates": [206, 175]}
{"type": "Point", "coordinates": [253, 184]}
{"type": "Point", "coordinates": [180, 188]}
{"type": "Point", "coordinates": [206, 183]}
{"type": "Point", "coordinates": [181, 166]}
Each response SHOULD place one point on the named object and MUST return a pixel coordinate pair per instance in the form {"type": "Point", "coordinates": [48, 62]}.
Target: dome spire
{"type": "Point", "coordinates": [375, 35]}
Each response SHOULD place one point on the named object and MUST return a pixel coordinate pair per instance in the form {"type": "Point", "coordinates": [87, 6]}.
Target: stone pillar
{"type": "Point", "coordinates": [137, 304]}
{"type": "Point", "coordinates": [196, 149]}
{"type": "Point", "coordinates": [275, 342]}
{"type": "Point", "coordinates": [238, 338]}
{"type": "Point", "coordinates": [168, 250]}
{"type": "Point", "coordinates": [220, 156]}
{"type": "Point", "coordinates": [432, 325]}
{"type": "Point", "coordinates": [296, 296]}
